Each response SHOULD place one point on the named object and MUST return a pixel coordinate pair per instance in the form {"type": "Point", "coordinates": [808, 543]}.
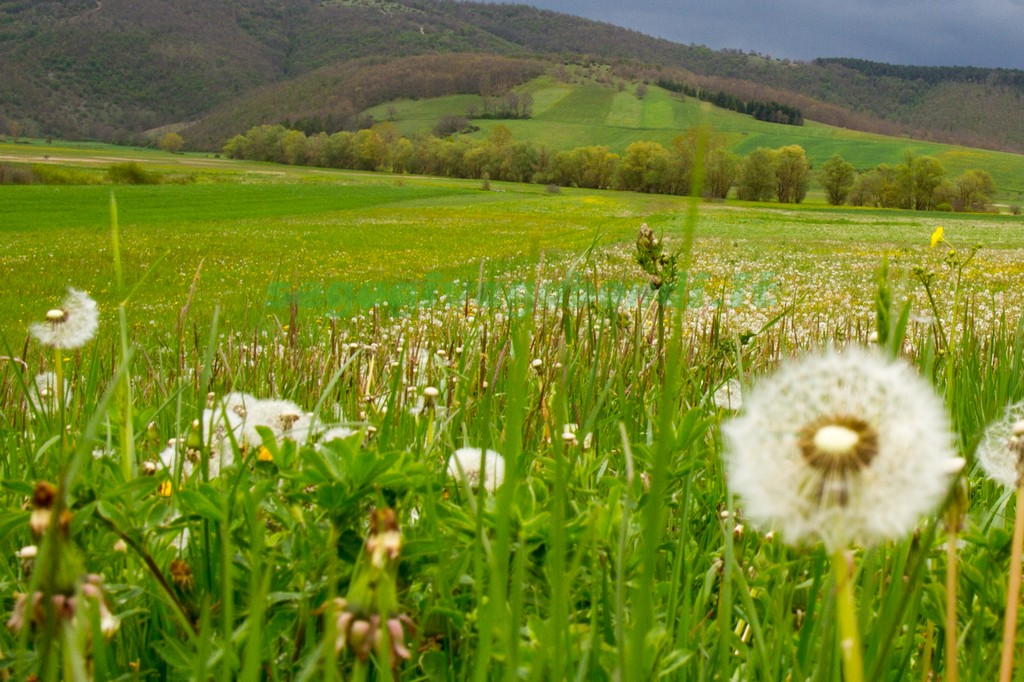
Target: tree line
{"type": "Point", "coordinates": [762, 110]}
{"type": "Point", "coordinates": [765, 174]}
{"type": "Point", "coordinates": [933, 75]}
{"type": "Point", "coordinates": [918, 182]}
{"type": "Point", "coordinates": [644, 167]}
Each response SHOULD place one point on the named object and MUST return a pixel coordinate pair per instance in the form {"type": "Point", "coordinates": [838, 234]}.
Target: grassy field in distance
{"type": "Point", "coordinates": [258, 226]}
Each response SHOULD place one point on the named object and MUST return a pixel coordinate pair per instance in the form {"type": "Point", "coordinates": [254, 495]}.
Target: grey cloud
{"type": "Point", "coordinates": [938, 32]}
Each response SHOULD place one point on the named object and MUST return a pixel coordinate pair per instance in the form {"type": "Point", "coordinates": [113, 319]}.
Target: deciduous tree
{"type": "Point", "coordinates": [171, 142]}
{"type": "Point", "coordinates": [866, 189]}
{"type": "Point", "coordinates": [720, 169]}
{"type": "Point", "coordinates": [792, 174]}
{"type": "Point", "coordinates": [917, 178]}
{"type": "Point", "coordinates": [294, 147]}
{"type": "Point", "coordinates": [643, 167]}
{"type": "Point", "coordinates": [973, 190]}
{"type": "Point", "coordinates": [757, 180]}
{"type": "Point", "coordinates": [836, 177]}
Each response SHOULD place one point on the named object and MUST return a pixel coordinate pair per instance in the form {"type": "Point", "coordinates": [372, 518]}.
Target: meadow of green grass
{"type": "Point", "coordinates": [613, 550]}
{"type": "Point", "coordinates": [255, 227]}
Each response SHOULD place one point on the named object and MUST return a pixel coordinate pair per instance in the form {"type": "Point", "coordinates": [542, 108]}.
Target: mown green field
{"type": "Point", "coordinates": [416, 316]}
{"type": "Point", "coordinates": [258, 227]}
{"type": "Point", "coordinates": [569, 115]}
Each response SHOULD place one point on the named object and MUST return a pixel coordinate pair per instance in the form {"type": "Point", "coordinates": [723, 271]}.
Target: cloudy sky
{"type": "Point", "coordinates": [920, 32]}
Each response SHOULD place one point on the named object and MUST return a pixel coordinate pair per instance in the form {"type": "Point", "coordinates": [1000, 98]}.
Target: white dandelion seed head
{"type": "Point", "coordinates": [42, 393]}
{"type": "Point", "coordinates": [729, 396]}
{"type": "Point", "coordinates": [218, 423]}
{"type": "Point", "coordinates": [70, 326]}
{"type": "Point", "coordinates": [478, 467]}
{"type": "Point", "coordinates": [336, 433]}
{"type": "Point", "coordinates": [172, 454]}
{"type": "Point", "coordinates": [238, 402]}
{"type": "Point", "coordinates": [219, 427]}
{"type": "Point", "coordinates": [841, 446]}
{"type": "Point", "coordinates": [169, 455]}
{"type": "Point", "coordinates": [283, 417]}
{"type": "Point", "coordinates": [1001, 447]}
{"type": "Point", "coordinates": [332, 434]}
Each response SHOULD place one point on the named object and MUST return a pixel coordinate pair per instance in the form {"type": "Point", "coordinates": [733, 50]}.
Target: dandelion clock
{"type": "Point", "coordinates": [842, 447]}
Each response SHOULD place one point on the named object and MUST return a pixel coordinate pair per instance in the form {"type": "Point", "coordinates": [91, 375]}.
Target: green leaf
{"type": "Point", "coordinates": [195, 502]}
{"type": "Point", "coordinates": [113, 514]}
{"type": "Point", "coordinates": [20, 487]}
{"type": "Point", "coordinates": [175, 654]}
{"type": "Point", "coordinates": [12, 521]}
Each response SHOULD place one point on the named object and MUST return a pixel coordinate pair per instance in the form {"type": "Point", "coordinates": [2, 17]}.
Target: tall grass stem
{"type": "Point", "coordinates": [952, 670]}
{"type": "Point", "coordinates": [1013, 591]}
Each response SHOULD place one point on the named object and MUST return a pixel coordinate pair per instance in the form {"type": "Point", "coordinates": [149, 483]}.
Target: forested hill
{"type": "Point", "coordinates": [110, 69]}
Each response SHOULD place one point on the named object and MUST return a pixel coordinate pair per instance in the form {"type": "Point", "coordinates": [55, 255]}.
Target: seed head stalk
{"type": "Point", "coordinates": [952, 674]}
{"type": "Point", "coordinates": [125, 394]}
{"type": "Point", "coordinates": [1013, 590]}
{"type": "Point", "coordinates": [954, 516]}
{"type": "Point", "coordinates": [846, 612]}
{"type": "Point", "coordinates": [58, 372]}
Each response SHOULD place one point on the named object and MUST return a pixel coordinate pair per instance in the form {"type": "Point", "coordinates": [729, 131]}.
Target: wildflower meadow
{"type": "Point", "coordinates": [394, 428]}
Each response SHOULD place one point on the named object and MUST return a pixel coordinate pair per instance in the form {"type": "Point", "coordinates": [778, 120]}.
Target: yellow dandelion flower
{"type": "Point", "coordinates": [263, 455]}
{"type": "Point", "coordinates": [937, 236]}
{"type": "Point", "coordinates": [165, 489]}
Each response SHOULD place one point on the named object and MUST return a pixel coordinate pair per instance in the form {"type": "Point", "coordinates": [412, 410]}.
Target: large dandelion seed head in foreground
{"type": "Point", "coordinates": [70, 326]}
{"type": "Point", "coordinates": [1002, 447]}
{"type": "Point", "coordinates": [842, 446]}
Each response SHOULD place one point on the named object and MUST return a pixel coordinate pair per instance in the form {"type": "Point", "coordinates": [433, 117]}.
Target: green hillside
{"type": "Point", "coordinates": [117, 70]}
{"type": "Point", "coordinates": [568, 115]}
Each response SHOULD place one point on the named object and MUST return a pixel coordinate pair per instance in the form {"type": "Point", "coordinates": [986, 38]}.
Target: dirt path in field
{"type": "Point", "coordinates": [56, 158]}
{"type": "Point", "coordinates": [61, 159]}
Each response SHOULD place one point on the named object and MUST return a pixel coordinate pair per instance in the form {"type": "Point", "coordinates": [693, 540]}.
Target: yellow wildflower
{"type": "Point", "coordinates": [937, 236]}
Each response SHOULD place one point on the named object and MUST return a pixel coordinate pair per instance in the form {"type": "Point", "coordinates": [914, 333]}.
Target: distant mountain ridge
{"type": "Point", "coordinates": [110, 69]}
